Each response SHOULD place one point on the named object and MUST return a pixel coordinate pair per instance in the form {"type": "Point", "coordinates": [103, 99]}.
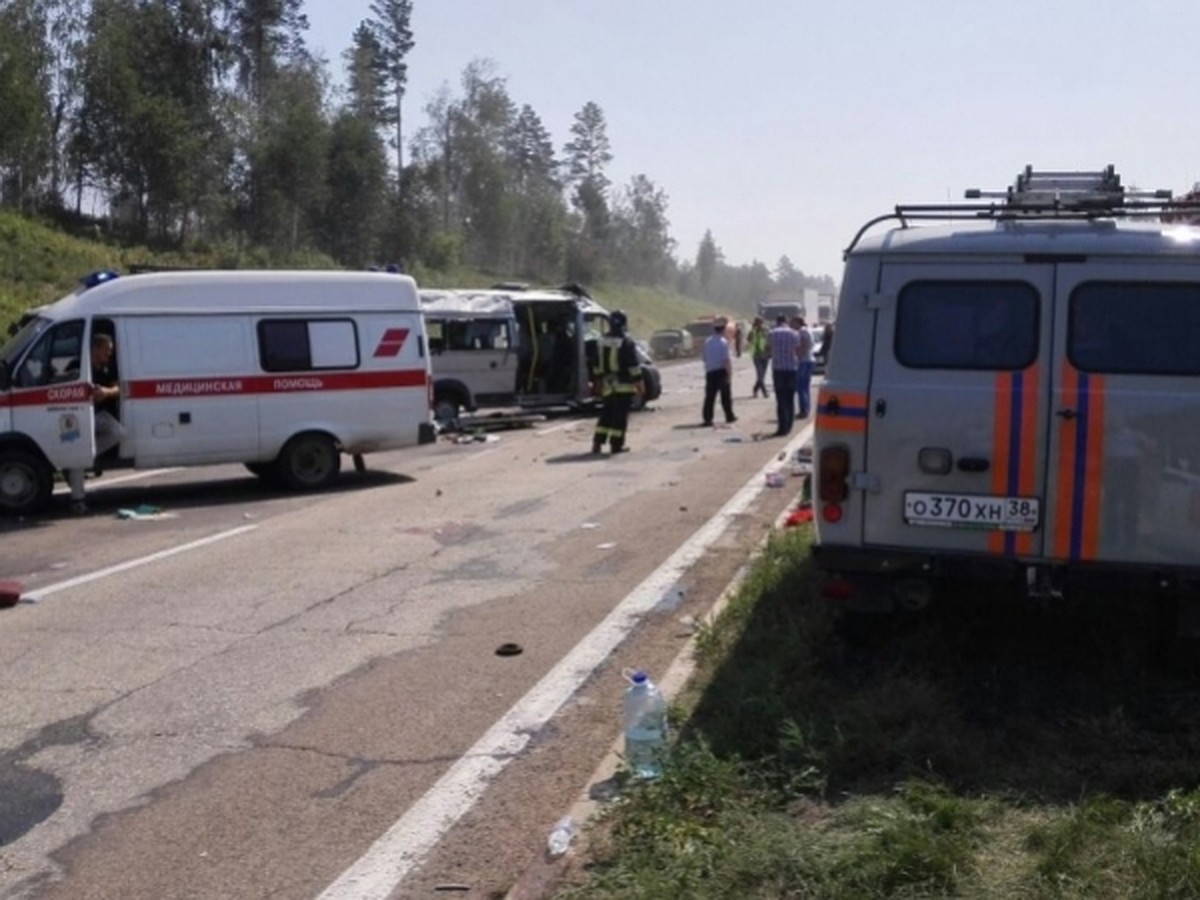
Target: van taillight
{"type": "Point", "coordinates": [833, 470]}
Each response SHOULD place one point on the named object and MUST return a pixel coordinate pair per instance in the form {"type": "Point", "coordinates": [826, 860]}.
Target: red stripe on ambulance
{"type": "Point", "coordinates": [391, 343]}
{"type": "Point", "coordinates": [148, 389]}
{"type": "Point", "coordinates": [78, 392]}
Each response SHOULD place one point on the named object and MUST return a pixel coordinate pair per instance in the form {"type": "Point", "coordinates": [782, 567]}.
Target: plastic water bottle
{"type": "Point", "coordinates": [645, 720]}
{"type": "Point", "coordinates": [560, 837]}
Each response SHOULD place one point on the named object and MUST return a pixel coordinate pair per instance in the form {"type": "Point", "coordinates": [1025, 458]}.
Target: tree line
{"type": "Point", "coordinates": [210, 124]}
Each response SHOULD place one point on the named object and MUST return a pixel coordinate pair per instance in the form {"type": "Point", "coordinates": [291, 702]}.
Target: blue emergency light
{"type": "Point", "coordinates": [95, 278]}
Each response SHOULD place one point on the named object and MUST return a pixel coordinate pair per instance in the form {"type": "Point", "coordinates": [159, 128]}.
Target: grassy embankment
{"type": "Point", "coordinates": [993, 749]}
{"type": "Point", "coordinates": [39, 264]}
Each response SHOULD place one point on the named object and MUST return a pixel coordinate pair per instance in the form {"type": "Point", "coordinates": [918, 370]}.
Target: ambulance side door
{"type": "Point", "coordinates": [955, 414]}
{"type": "Point", "coordinates": [192, 397]}
{"type": "Point", "coordinates": [1125, 427]}
{"type": "Point", "coordinates": [51, 396]}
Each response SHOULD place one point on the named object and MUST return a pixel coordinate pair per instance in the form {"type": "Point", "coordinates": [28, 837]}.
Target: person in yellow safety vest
{"type": "Point", "coordinates": [618, 372]}
{"type": "Point", "coordinates": [760, 352]}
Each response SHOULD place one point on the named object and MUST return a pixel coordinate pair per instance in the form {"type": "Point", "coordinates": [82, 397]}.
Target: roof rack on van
{"type": "Point", "coordinates": [1048, 194]}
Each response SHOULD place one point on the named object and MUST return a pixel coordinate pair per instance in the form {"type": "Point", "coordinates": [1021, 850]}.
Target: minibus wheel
{"type": "Point", "coordinates": [446, 407]}
{"type": "Point", "coordinates": [309, 462]}
{"type": "Point", "coordinates": [26, 482]}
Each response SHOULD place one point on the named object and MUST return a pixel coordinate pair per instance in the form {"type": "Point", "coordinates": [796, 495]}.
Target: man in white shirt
{"type": "Point", "coordinates": [718, 374]}
{"type": "Point", "coordinates": [804, 367]}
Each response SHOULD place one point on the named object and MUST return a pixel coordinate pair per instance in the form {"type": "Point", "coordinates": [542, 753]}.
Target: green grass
{"type": "Point", "coordinates": [39, 264]}
{"type": "Point", "coordinates": [995, 748]}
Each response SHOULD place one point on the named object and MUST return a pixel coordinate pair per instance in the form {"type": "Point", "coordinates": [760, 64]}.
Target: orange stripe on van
{"type": "Point", "coordinates": [839, 423]}
{"type": "Point", "coordinates": [1001, 435]}
{"type": "Point", "coordinates": [1093, 479]}
{"type": "Point", "coordinates": [1065, 476]}
{"type": "Point", "coordinates": [1027, 475]}
{"type": "Point", "coordinates": [844, 398]}
{"type": "Point", "coordinates": [844, 411]}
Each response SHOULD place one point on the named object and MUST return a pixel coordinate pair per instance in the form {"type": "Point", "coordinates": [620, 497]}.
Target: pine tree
{"type": "Point", "coordinates": [366, 78]}
{"type": "Point", "coordinates": [393, 32]}
{"type": "Point", "coordinates": [708, 257]}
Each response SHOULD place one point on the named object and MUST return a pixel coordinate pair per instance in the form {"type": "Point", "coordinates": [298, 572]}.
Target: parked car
{"type": "Point", "coordinates": [651, 379]}
{"type": "Point", "coordinates": [819, 361]}
{"type": "Point", "coordinates": [668, 343]}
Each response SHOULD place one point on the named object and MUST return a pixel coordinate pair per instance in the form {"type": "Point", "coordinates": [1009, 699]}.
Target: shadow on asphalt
{"type": "Point", "coordinates": [217, 492]}
{"type": "Point", "coordinates": [586, 456]}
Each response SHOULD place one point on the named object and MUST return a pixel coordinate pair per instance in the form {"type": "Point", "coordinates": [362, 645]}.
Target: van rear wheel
{"type": "Point", "coordinates": [308, 462]}
{"type": "Point", "coordinates": [26, 482]}
{"type": "Point", "coordinates": [446, 407]}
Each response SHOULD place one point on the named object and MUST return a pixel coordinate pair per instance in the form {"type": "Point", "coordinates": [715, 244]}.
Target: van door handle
{"type": "Point", "coordinates": [973, 464]}
{"type": "Point", "coordinates": [1067, 414]}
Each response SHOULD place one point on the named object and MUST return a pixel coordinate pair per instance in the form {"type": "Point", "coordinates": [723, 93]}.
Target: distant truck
{"type": "Point", "coordinates": [814, 306]}
{"type": "Point", "coordinates": [668, 343]}
{"type": "Point", "coordinates": [703, 326]}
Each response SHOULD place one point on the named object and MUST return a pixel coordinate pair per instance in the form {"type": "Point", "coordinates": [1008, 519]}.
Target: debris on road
{"type": "Point", "coordinates": [144, 512]}
{"type": "Point", "coordinates": [509, 649]}
{"type": "Point", "coordinates": [10, 593]}
{"type": "Point", "coordinates": [477, 437]}
{"type": "Point", "coordinates": [799, 516]}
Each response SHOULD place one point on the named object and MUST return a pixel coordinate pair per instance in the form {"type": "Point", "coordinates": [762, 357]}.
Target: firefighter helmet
{"type": "Point", "coordinates": [618, 320]}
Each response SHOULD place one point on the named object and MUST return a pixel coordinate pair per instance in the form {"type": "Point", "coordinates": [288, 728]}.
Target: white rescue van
{"type": "Point", "coordinates": [1015, 395]}
{"type": "Point", "coordinates": [282, 371]}
{"type": "Point", "coordinates": [512, 346]}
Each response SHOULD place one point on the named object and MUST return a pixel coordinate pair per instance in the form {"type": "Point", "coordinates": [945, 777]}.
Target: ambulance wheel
{"type": "Point", "coordinates": [26, 482]}
{"type": "Point", "coordinates": [308, 462]}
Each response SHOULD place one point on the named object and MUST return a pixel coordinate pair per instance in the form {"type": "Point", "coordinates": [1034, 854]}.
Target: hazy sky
{"type": "Point", "coordinates": [782, 126]}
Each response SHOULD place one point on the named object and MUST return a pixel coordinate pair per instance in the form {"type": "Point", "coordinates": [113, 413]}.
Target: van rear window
{"type": "Point", "coordinates": [304, 345]}
{"type": "Point", "coordinates": [967, 325]}
{"type": "Point", "coordinates": [1135, 328]}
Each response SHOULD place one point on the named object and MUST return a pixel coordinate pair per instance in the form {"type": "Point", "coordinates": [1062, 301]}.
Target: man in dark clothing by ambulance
{"type": "Point", "coordinates": [618, 374]}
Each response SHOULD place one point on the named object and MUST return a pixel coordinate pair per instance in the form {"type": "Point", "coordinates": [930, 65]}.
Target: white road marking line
{"type": "Point", "coordinates": [406, 843]}
{"type": "Point", "coordinates": [121, 479]}
{"type": "Point", "coordinates": [39, 593]}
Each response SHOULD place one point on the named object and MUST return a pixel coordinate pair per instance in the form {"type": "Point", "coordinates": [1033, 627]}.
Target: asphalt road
{"type": "Point", "coordinates": [258, 694]}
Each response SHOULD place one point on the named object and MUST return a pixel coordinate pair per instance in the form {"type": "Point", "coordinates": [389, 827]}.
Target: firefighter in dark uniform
{"type": "Point", "coordinates": [618, 374]}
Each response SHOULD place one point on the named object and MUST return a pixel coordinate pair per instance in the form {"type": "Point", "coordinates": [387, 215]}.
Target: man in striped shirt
{"type": "Point", "coordinates": [783, 342]}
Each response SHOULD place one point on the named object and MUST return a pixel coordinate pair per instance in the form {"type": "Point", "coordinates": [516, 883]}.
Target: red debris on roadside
{"type": "Point", "coordinates": [10, 593]}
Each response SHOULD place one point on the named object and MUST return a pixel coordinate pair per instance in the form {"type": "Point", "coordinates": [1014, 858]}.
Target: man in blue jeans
{"type": "Point", "coordinates": [804, 366]}
{"type": "Point", "coordinates": [782, 342]}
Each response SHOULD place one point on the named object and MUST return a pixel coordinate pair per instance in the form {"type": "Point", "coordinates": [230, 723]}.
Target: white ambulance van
{"type": "Point", "coordinates": [281, 371]}
{"type": "Point", "coordinates": [1015, 394]}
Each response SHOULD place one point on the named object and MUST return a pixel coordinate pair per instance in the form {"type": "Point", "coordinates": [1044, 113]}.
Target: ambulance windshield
{"type": "Point", "coordinates": [25, 335]}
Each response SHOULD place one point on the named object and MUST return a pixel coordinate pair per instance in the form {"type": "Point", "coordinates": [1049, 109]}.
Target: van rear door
{"type": "Point", "coordinates": [957, 407]}
{"type": "Point", "coordinates": [1125, 426]}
